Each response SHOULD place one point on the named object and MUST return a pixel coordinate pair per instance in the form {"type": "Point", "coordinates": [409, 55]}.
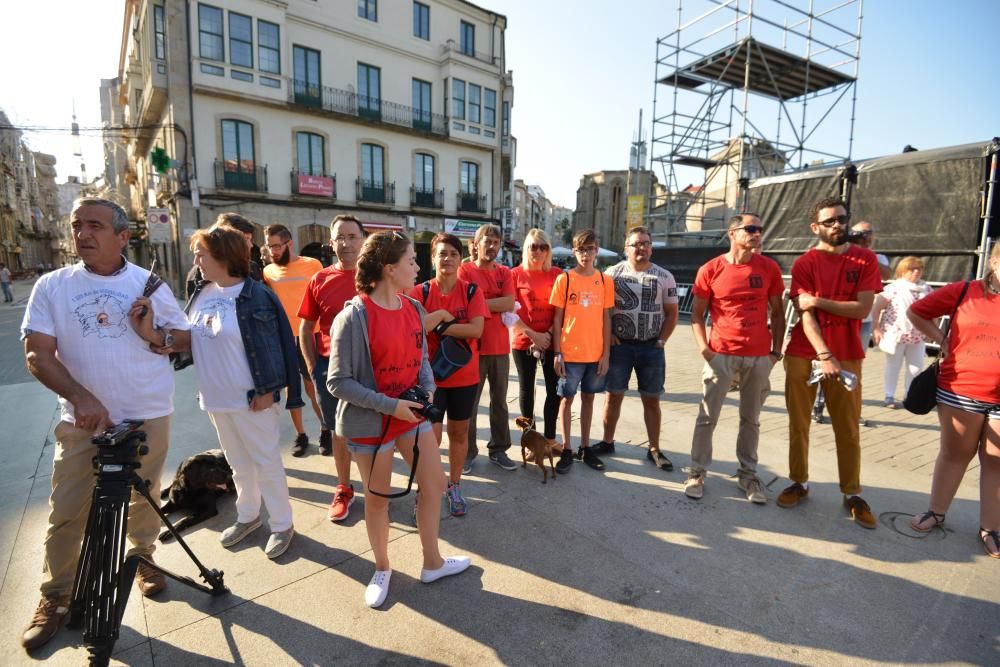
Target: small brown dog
{"type": "Point", "coordinates": [535, 442]}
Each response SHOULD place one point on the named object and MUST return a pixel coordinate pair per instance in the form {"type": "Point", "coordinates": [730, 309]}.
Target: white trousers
{"type": "Point", "coordinates": [913, 355]}
{"type": "Point", "coordinates": [250, 441]}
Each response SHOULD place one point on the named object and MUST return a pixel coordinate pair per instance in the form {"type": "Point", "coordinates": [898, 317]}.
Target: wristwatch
{"type": "Point", "coordinates": [777, 354]}
{"type": "Point", "coordinates": [660, 342]}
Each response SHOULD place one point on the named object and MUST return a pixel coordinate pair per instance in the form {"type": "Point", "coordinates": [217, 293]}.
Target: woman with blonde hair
{"type": "Point", "coordinates": [379, 353]}
{"type": "Point", "coordinates": [968, 397]}
{"type": "Point", "coordinates": [894, 333]}
{"type": "Point", "coordinates": [533, 281]}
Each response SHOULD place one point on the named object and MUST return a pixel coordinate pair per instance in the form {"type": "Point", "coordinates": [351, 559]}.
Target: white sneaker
{"type": "Point", "coordinates": [694, 487]}
{"type": "Point", "coordinates": [452, 565]}
{"type": "Point", "coordinates": [378, 588]}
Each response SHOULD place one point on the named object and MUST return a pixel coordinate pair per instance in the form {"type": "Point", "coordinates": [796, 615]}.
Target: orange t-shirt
{"type": "Point", "coordinates": [532, 290]}
{"type": "Point", "coordinates": [396, 358]}
{"type": "Point", "coordinates": [289, 282]}
{"type": "Point", "coordinates": [492, 284]}
{"type": "Point", "coordinates": [581, 340]}
{"type": "Point", "coordinates": [457, 303]}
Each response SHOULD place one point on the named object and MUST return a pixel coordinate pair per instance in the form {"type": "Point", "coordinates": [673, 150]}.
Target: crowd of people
{"type": "Point", "coordinates": [392, 365]}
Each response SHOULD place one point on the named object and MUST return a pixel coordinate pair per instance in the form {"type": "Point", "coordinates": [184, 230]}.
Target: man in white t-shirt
{"type": "Point", "coordinates": [646, 311]}
{"type": "Point", "coordinates": [87, 338]}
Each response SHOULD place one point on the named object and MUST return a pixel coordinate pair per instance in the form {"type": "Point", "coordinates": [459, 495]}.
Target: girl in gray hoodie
{"type": "Point", "coordinates": [378, 351]}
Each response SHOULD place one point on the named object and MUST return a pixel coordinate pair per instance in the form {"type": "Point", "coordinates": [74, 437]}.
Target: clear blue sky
{"type": "Point", "coordinates": [582, 71]}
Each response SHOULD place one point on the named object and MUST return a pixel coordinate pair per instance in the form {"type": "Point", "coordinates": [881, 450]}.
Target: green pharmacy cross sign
{"type": "Point", "coordinates": [160, 160]}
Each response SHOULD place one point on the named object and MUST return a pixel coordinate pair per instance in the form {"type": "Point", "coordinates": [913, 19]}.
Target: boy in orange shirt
{"type": "Point", "coordinates": [583, 300]}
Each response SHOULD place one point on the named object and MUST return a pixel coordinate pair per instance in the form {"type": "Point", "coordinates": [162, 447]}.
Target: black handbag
{"type": "Point", "coordinates": [922, 395]}
{"type": "Point", "coordinates": [451, 355]}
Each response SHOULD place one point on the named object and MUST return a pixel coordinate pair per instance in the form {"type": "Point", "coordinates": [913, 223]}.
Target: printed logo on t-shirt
{"type": "Point", "coordinates": [756, 282]}
{"type": "Point", "coordinates": [418, 336]}
{"type": "Point", "coordinates": [105, 315]}
{"type": "Point", "coordinates": [211, 316]}
{"type": "Point", "coordinates": [853, 276]}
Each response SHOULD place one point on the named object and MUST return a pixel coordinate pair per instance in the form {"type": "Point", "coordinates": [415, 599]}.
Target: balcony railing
{"type": "Point", "coordinates": [375, 193]}
{"type": "Point", "coordinates": [426, 198]}
{"type": "Point", "coordinates": [314, 185]}
{"type": "Point", "coordinates": [347, 103]}
{"type": "Point", "coordinates": [471, 202]}
{"type": "Point", "coordinates": [240, 177]}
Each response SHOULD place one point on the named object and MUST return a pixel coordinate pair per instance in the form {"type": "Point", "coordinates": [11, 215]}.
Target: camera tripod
{"type": "Point", "coordinates": [104, 574]}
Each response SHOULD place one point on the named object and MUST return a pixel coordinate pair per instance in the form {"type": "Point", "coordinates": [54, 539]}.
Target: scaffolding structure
{"type": "Point", "coordinates": [746, 89]}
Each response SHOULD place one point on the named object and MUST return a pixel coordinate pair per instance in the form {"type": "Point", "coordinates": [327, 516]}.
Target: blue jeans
{"type": "Point", "coordinates": [580, 376]}
{"type": "Point", "coordinates": [649, 363]}
{"type": "Point", "coordinates": [327, 401]}
{"type": "Point", "coordinates": [7, 295]}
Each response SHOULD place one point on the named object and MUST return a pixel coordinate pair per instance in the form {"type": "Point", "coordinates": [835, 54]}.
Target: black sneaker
{"type": "Point", "coordinates": [659, 460]}
{"type": "Point", "coordinates": [300, 445]}
{"type": "Point", "coordinates": [603, 448]}
{"type": "Point", "coordinates": [501, 459]}
{"type": "Point", "coordinates": [326, 442]}
{"type": "Point", "coordinates": [590, 458]}
{"type": "Point", "coordinates": [565, 462]}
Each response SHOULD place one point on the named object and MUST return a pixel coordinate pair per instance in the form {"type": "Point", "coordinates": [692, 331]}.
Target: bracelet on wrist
{"type": "Point", "coordinates": [823, 356]}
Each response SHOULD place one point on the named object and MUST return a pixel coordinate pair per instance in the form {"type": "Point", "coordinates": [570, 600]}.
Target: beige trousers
{"type": "Point", "coordinates": [753, 375]}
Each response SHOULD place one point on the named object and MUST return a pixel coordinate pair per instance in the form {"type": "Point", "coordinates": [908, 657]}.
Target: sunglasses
{"type": "Point", "coordinates": [750, 229]}
{"type": "Point", "coordinates": [839, 220]}
{"type": "Point", "coordinates": [539, 247]}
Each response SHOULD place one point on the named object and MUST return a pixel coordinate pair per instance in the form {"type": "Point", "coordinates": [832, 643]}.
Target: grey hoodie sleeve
{"type": "Point", "coordinates": [347, 364]}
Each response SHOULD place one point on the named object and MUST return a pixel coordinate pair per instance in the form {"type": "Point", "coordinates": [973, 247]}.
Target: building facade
{"type": "Point", "coordinates": [29, 205]}
{"type": "Point", "coordinates": [602, 198]}
{"type": "Point", "coordinates": [395, 111]}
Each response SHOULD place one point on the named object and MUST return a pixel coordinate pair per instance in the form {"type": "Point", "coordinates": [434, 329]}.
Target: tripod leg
{"type": "Point", "coordinates": [212, 577]}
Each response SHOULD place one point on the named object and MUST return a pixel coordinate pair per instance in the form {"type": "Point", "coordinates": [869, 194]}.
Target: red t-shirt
{"type": "Point", "coordinates": [325, 296]}
{"type": "Point", "coordinates": [493, 283]}
{"type": "Point", "coordinates": [396, 356]}
{"type": "Point", "coordinates": [457, 303]}
{"type": "Point", "coordinates": [532, 290]}
{"type": "Point", "coordinates": [737, 296]}
{"type": "Point", "coordinates": [839, 278]}
{"type": "Point", "coordinates": [972, 368]}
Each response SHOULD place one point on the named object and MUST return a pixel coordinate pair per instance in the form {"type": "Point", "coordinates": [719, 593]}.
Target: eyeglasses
{"type": "Point", "coordinates": [539, 247]}
{"type": "Point", "coordinates": [838, 220]}
{"type": "Point", "coordinates": [350, 238]}
{"type": "Point", "coordinates": [639, 244]}
{"type": "Point", "coordinates": [750, 229]}
{"type": "Point", "coordinates": [277, 246]}
{"type": "Point", "coordinates": [585, 249]}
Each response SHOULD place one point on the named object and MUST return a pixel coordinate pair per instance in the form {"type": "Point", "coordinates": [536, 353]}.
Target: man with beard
{"type": "Point", "coordinates": [833, 286]}
{"type": "Point", "coordinates": [496, 284]}
{"type": "Point", "coordinates": [288, 275]}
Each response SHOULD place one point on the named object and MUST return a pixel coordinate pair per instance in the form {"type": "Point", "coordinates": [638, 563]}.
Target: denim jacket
{"type": "Point", "coordinates": [263, 323]}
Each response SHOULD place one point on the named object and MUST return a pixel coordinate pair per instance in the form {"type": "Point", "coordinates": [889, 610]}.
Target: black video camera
{"type": "Point", "coordinates": [120, 445]}
{"type": "Point", "coordinates": [429, 411]}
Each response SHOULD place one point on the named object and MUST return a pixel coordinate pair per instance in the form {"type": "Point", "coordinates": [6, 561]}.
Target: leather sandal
{"type": "Point", "coordinates": [993, 535]}
{"type": "Point", "coordinates": [916, 522]}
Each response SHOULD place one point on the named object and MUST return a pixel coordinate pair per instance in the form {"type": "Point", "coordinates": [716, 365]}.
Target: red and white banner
{"type": "Point", "coordinates": [321, 186]}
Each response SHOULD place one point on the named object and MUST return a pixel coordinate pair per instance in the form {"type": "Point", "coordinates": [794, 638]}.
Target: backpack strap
{"type": "Point", "coordinates": [470, 291]}
{"type": "Point", "coordinates": [426, 287]}
{"type": "Point", "coordinates": [566, 300]}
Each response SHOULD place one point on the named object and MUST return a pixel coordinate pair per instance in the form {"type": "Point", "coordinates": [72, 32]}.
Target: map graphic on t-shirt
{"type": "Point", "coordinates": [211, 316]}
{"type": "Point", "coordinates": [105, 315]}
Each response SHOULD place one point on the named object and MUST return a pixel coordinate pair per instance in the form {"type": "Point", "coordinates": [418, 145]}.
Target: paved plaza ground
{"type": "Point", "coordinates": [594, 569]}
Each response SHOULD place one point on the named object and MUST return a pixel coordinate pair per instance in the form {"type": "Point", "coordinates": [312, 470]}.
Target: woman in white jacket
{"type": "Point", "coordinates": [894, 333]}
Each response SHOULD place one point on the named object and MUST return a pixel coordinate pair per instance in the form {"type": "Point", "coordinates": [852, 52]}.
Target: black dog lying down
{"type": "Point", "coordinates": [200, 481]}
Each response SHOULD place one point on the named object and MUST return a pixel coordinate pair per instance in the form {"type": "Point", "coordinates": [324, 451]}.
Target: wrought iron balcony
{"type": "Point", "coordinates": [314, 185]}
{"type": "Point", "coordinates": [344, 102]}
{"type": "Point", "coordinates": [374, 193]}
{"type": "Point", "coordinates": [231, 175]}
{"type": "Point", "coordinates": [471, 202]}
{"type": "Point", "coordinates": [422, 198]}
